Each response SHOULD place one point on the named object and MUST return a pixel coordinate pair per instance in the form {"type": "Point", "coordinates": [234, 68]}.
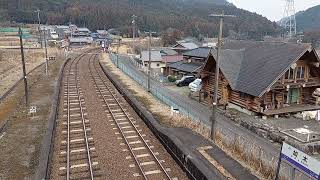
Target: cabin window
{"type": "Point", "coordinates": [301, 72]}
{"type": "Point", "coordinates": [158, 65]}
{"type": "Point", "coordinates": [289, 74]}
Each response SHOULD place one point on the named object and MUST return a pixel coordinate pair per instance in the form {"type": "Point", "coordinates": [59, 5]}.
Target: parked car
{"type": "Point", "coordinates": [196, 85]}
{"type": "Point", "coordinates": [185, 81]}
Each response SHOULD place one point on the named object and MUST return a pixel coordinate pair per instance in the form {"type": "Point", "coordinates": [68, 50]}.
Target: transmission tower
{"type": "Point", "coordinates": [289, 19]}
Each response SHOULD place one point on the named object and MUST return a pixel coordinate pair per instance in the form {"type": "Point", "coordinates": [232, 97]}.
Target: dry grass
{"type": "Point", "coordinates": [11, 68]}
{"type": "Point", "coordinates": [123, 49]}
{"type": "Point", "coordinates": [160, 112]}
{"type": "Point", "coordinates": [246, 159]}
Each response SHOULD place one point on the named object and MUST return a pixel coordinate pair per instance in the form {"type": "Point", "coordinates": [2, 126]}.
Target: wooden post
{"type": "Point", "coordinates": [46, 51]}
{"type": "Point", "coordinates": [24, 69]}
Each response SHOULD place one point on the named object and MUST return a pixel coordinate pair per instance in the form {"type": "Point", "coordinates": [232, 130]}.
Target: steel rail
{"type": "Point", "coordinates": [83, 123]}
{"type": "Point", "coordinates": [127, 116]}
{"type": "Point", "coordinates": [76, 59]}
{"type": "Point", "coordinates": [122, 133]}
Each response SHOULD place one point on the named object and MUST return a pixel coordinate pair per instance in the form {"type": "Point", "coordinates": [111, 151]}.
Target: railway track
{"type": "Point", "coordinates": [77, 149]}
{"type": "Point", "coordinates": [145, 158]}
{"type": "Point", "coordinates": [119, 145]}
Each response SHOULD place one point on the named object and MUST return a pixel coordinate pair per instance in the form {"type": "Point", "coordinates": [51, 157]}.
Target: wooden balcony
{"type": "Point", "coordinates": [311, 82]}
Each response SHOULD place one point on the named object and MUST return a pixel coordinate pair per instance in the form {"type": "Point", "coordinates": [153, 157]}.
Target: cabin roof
{"type": "Point", "coordinates": [253, 67]}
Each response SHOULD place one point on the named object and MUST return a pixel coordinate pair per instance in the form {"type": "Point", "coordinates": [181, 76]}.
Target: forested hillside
{"type": "Point", "coordinates": [309, 20]}
{"type": "Point", "coordinates": [189, 16]}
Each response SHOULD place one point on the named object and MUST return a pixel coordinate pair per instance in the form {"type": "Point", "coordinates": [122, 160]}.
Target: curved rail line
{"type": "Point", "coordinates": [127, 128]}
{"type": "Point", "coordinates": [75, 103]}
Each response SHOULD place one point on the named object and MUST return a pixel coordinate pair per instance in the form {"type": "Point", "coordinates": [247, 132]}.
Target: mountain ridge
{"type": "Point", "coordinates": [189, 16]}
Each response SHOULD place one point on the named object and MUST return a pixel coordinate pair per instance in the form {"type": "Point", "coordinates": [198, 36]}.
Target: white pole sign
{"type": "Point", "coordinates": [300, 160]}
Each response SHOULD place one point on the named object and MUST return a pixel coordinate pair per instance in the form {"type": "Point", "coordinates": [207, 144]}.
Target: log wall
{"type": "Point", "coordinates": [208, 83]}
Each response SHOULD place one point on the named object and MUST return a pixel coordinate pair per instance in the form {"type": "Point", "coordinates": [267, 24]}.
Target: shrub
{"type": "Point", "coordinates": [172, 78]}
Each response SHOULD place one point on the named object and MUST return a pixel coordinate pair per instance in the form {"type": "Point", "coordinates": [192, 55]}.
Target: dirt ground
{"type": "Point", "coordinates": [20, 141]}
{"type": "Point", "coordinates": [11, 65]}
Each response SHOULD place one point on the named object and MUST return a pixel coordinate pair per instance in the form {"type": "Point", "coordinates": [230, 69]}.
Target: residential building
{"type": "Point", "coordinates": [183, 46]}
{"type": "Point", "coordinates": [161, 57]}
{"type": "Point", "coordinates": [168, 55]}
{"type": "Point", "coordinates": [80, 36]}
{"type": "Point", "coordinates": [157, 64]}
{"type": "Point", "coordinates": [268, 78]}
{"type": "Point", "coordinates": [191, 64]}
{"type": "Point", "coordinates": [182, 68]}
{"type": "Point", "coordinates": [103, 36]}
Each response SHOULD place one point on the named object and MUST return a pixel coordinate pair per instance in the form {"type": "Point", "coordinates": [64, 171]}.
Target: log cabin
{"type": "Point", "coordinates": [268, 78]}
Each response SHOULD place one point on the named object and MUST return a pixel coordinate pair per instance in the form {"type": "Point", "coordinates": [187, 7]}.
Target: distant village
{"type": "Point", "coordinates": [286, 80]}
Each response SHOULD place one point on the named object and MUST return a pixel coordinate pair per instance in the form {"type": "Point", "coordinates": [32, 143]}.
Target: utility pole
{"type": "Point", "coordinates": [118, 52]}
{"type": "Point", "coordinates": [213, 117]}
{"type": "Point", "coordinates": [46, 51]}
{"type": "Point", "coordinates": [24, 69]}
{"type": "Point", "coordinates": [134, 27]}
{"type": "Point", "coordinates": [39, 24]}
{"type": "Point", "coordinates": [149, 63]}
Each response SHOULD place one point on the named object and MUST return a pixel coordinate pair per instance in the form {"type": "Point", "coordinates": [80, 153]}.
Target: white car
{"type": "Point", "coordinates": [196, 85]}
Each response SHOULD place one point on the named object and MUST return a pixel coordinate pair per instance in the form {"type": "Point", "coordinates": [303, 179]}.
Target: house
{"type": "Point", "coordinates": [268, 78]}
{"type": "Point", "coordinates": [62, 31]}
{"type": "Point", "coordinates": [102, 37]}
{"type": "Point", "coordinates": [156, 60]}
{"type": "Point", "coordinates": [161, 57]}
{"type": "Point", "coordinates": [191, 64]}
{"type": "Point", "coordinates": [168, 55]}
{"type": "Point", "coordinates": [82, 32]}
{"type": "Point", "coordinates": [79, 41]}
{"type": "Point", "coordinates": [183, 46]}
{"type": "Point", "coordinates": [182, 68]}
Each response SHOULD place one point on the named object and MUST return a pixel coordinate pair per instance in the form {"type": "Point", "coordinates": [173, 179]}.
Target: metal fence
{"type": "Point", "coordinates": [126, 64]}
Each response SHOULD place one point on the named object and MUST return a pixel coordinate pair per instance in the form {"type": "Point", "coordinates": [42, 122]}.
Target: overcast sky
{"type": "Point", "coordinates": [272, 9]}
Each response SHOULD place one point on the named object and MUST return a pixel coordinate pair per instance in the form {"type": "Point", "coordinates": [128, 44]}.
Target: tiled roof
{"type": "Point", "coordinates": [201, 52]}
{"type": "Point", "coordinates": [186, 45]}
{"type": "Point", "coordinates": [155, 56]}
{"type": "Point", "coordinates": [170, 59]}
{"type": "Point", "coordinates": [186, 67]}
{"type": "Point", "coordinates": [166, 50]}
